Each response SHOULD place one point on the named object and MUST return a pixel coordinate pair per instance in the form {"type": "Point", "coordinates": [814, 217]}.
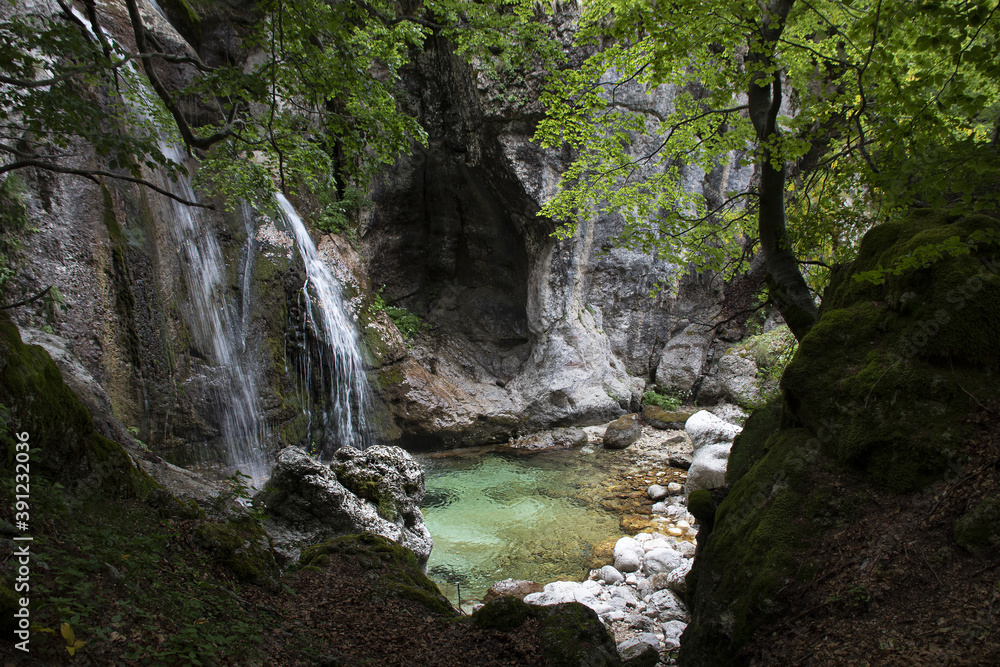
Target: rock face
{"type": "Point", "coordinates": [376, 491]}
{"type": "Point", "coordinates": [683, 359]}
{"type": "Point", "coordinates": [524, 332]}
{"type": "Point", "coordinates": [866, 407]}
{"type": "Point", "coordinates": [537, 332]}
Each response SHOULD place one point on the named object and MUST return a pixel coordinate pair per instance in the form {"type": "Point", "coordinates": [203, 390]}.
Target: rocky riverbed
{"type": "Point", "coordinates": [636, 582]}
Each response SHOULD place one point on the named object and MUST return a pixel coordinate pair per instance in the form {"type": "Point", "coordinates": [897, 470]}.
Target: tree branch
{"type": "Point", "coordinates": [92, 174]}
{"type": "Point", "coordinates": [147, 64]}
{"type": "Point", "coordinates": [24, 302]}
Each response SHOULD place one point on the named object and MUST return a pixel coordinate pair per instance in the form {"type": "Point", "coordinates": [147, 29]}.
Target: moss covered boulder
{"type": "Point", "coordinates": [572, 635]}
{"type": "Point", "coordinates": [70, 450]}
{"type": "Point", "coordinates": [874, 398]}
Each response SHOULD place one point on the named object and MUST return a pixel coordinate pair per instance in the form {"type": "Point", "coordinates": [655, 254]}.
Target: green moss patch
{"type": "Point", "coordinates": [70, 450]}
{"type": "Point", "coordinates": [402, 576]}
{"type": "Point", "coordinates": [243, 547]}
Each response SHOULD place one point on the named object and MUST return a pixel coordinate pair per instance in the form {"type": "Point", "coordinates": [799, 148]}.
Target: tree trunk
{"type": "Point", "coordinates": [785, 283]}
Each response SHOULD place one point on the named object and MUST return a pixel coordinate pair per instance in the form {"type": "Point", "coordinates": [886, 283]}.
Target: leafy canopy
{"type": "Point", "coordinates": [887, 104]}
{"type": "Point", "coordinates": [312, 102]}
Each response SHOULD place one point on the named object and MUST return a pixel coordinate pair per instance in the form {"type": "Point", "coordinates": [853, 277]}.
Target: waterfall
{"type": "Point", "coordinates": [339, 352]}
{"type": "Point", "coordinates": [220, 330]}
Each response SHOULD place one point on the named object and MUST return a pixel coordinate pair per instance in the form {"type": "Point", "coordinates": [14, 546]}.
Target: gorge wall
{"type": "Point", "coordinates": [522, 331]}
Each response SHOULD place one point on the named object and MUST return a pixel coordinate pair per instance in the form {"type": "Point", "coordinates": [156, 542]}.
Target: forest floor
{"type": "Point", "coordinates": [113, 582]}
{"type": "Point", "coordinates": [896, 588]}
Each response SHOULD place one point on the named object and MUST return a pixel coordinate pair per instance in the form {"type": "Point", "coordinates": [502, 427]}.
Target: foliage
{"type": "Point", "coordinates": [337, 211]}
{"type": "Point", "coordinates": [670, 403]}
{"type": "Point", "coordinates": [924, 256]}
{"type": "Point", "coordinates": [311, 102]}
{"type": "Point", "coordinates": [887, 104]}
{"type": "Point", "coordinates": [408, 323]}
{"type": "Point", "coordinates": [13, 227]}
{"type": "Point", "coordinates": [771, 352]}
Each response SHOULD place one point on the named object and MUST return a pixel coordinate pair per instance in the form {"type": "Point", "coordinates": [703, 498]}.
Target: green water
{"type": "Point", "coordinates": [531, 517]}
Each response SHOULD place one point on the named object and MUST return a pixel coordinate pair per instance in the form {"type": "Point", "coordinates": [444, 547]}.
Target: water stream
{"type": "Point", "coordinates": [344, 419]}
{"type": "Point", "coordinates": [220, 330]}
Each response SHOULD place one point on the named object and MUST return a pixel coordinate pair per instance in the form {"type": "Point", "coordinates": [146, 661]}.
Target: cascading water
{"type": "Point", "coordinates": [341, 371]}
{"type": "Point", "coordinates": [216, 327]}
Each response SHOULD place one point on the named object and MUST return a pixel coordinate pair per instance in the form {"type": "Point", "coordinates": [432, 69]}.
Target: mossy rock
{"type": "Point", "coordinates": [244, 548]}
{"type": "Point", "coordinates": [504, 613]}
{"type": "Point", "coordinates": [368, 488]}
{"type": "Point", "coordinates": [72, 451]}
{"type": "Point", "coordinates": [572, 635]}
{"type": "Point", "coordinates": [170, 506]}
{"type": "Point", "coordinates": [748, 446]}
{"type": "Point", "coordinates": [659, 418]}
{"type": "Point", "coordinates": [403, 576]}
{"type": "Point", "coordinates": [889, 370]}
{"type": "Point", "coordinates": [701, 506]}
{"type": "Point", "coordinates": [980, 526]}
{"type": "Point", "coordinates": [874, 398]}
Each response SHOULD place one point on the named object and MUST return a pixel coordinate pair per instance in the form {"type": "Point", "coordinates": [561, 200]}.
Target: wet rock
{"type": "Point", "coordinates": [561, 438]}
{"type": "Point", "coordinates": [622, 432]}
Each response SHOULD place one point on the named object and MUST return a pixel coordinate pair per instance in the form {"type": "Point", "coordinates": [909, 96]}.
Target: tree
{"type": "Point", "coordinates": [850, 111]}
{"type": "Point", "coordinates": [315, 109]}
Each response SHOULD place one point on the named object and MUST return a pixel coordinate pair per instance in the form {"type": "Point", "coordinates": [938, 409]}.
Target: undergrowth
{"type": "Point", "coordinates": [127, 585]}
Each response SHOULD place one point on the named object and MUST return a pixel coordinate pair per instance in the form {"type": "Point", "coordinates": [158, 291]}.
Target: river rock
{"type": "Point", "coordinates": [672, 631]}
{"type": "Point", "coordinates": [641, 651]}
{"type": "Point", "coordinates": [680, 460]}
{"type": "Point", "coordinates": [560, 438]}
{"type": "Point", "coordinates": [674, 488]}
{"type": "Point", "coordinates": [517, 588]}
{"type": "Point", "coordinates": [676, 579]}
{"type": "Point", "coordinates": [610, 575]}
{"type": "Point", "coordinates": [622, 432]}
{"type": "Point", "coordinates": [628, 562]}
{"type": "Point", "coordinates": [656, 492]}
{"type": "Point", "coordinates": [661, 560]}
{"type": "Point", "coordinates": [306, 501]}
{"type": "Point", "coordinates": [704, 428]}
{"type": "Point", "coordinates": [708, 470]}
{"type": "Point", "coordinates": [666, 606]}
{"type": "Point", "coordinates": [659, 418]}
{"type": "Point", "coordinates": [660, 508]}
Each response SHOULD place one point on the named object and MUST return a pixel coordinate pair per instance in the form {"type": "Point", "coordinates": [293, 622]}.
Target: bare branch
{"type": "Point", "coordinates": [24, 302]}
{"type": "Point", "coordinates": [92, 175]}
